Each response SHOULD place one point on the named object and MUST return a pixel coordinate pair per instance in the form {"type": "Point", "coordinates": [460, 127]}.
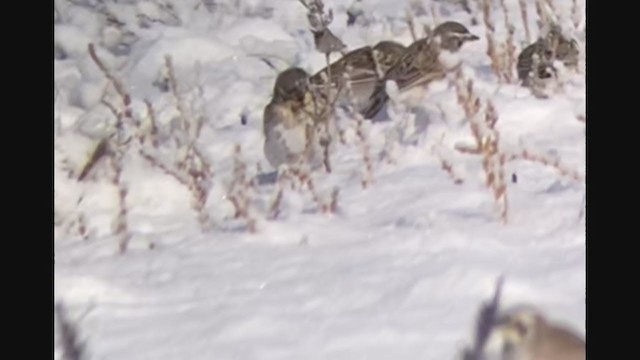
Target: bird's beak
{"type": "Point", "coordinates": [472, 37]}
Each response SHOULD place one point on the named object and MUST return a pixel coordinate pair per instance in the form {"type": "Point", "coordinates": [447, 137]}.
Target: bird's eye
{"type": "Point", "coordinates": [302, 84]}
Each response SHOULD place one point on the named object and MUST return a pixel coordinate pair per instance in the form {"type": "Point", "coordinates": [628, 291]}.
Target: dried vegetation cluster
{"type": "Point", "coordinates": [176, 151]}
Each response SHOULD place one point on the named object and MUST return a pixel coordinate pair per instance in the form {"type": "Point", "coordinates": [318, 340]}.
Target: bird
{"type": "Point", "coordinates": [554, 46]}
{"type": "Point", "coordinates": [297, 123]}
{"type": "Point", "coordinates": [523, 332]}
{"type": "Point", "coordinates": [364, 67]}
{"type": "Point", "coordinates": [424, 61]}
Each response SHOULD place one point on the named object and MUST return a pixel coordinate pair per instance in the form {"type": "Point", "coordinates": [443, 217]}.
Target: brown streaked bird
{"type": "Point", "coordinates": [360, 66]}
{"type": "Point", "coordinates": [524, 333]}
{"type": "Point", "coordinates": [426, 60]}
{"type": "Point", "coordinates": [296, 123]}
{"type": "Point", "coordinates": [554, 46]}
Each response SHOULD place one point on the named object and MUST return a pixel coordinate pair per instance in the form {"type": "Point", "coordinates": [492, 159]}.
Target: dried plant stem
{"type": "Point", "coordinates": [124, 95]}
{"type": "Point", "coordinates": [576, 14]}
{"type": "Point", "coordinates": [314, 194]}
{"type": "Point", "coordinates": [505, 12]}
{"type": "Point", "coordinates": [306, 180]}
{"type": "Point", "coordinates": [446, 164]}
{"type": "Point", "coordinates": [120, 226]}
{"type": "Point", "coordinates": [525, 19]}
{"type": "Point", "coordinates": [327, 117]}
{"type": "Point", "coordinates": [510, 64]}
{"type": "Point", "coordinates": [511, 54]}
{"type": "Point", "coordinates": [199, 194]}
{"type": "Point", "coordinates": [195, 183]}
{"type": "Point", "coordinates": [435, 14]}
{"type": "Point", "coordinates": [326, 161]}
{"type": "Point", "coordinates": [116, 149]}
{"type": "Point", "coordinates": [82, 226]}
{"type": "Point", "coordinates": [155, 162]}
{"type": "Point", "coordinates": [487, 144]}
{"type": "Point", "coordinates": [493, 162]}
{"type": "Point", "coordinates": [545, 160]}
{"type": "Point", "coordinates": [194, 162]}
{"type": "Point", "coordinates": [552, 6]}
{"type": "Point", "coordinates": [448, 168]}
{"type": "Point", "coordinates": [411, 25]}
{"type": "Point", "coordinates": [120, 115]}
{"type": "Point", "coordinates": [487, 141]}
{"type": "Point", "coordinates": [333, 205]}
{"type": "Point", "coordinates": [496, 65]}
{"type": "Point", "coordinates": [367, 178]}
{"type": "Point", "coordinates": [543, 19]}
{"type": "Point", "coordinates": [274, 209]}
{"type": "Point", "coordinates": [240, 190]}
{"type": "Point", "coordinates": [173, 85]}
{"type": "Point", "coordinates": [153, 127]}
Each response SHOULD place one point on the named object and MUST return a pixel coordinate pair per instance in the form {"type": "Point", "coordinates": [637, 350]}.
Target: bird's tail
{"type": "Point", "coordinates": [378, 99]}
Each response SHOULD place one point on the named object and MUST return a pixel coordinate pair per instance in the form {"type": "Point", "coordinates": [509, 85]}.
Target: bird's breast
{"type": "Point", "coordinates": [449, 60]}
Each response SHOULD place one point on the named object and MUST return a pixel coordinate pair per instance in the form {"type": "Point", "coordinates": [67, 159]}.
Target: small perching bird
{"type": "Point", "coordinates": [522, 332]}
{"type": "Point", "coordinates": [426, 60]}
{"type": "Point", "coordinates": [364, 67]}
{"type": "Point", "coordinates": [297, 122]}
{"type": "Point", "coordinates": [552, 46]}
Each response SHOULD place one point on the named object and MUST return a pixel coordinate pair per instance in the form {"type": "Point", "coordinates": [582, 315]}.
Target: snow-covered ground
{"type": "Point", "coordinates": [398, 272]}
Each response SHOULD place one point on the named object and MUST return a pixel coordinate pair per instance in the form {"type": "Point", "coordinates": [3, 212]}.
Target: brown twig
{"type": "Point", "coordinates": [544, 160]}
{"type": "Point", "coordinates": [487, 141]}
{"type": "Point", "coordinates": [446, 164]}
{"type": "Point", "coordinates": [496, 65]}
{"type": "Point", "coordinates": [410, 24]}
{"type": "Point", "coordinates": [487, 145]}
{"type": "Point", "coordinates": [367, 178]}
{"type": "Point", "coordinates": [116, 150]}
{"type": "Point", "coordinates": [153, 127]}
{"type": "Point", "coordinates": [274, 209]}
{"type": "Point", "coordinates": [239, 190]}
{"type": "Point", "coordinates": [333, 206]}
{"type": "Point", "coordinates": [510, 63]}
{"type": "Point", "coordinates": [82, 226]}
{"type": "Point", "coordinates": [173, 85]}
{"type": "Point", "coordinates": [543, 19]}
{"type": "Point", "coordinates": [525, 19]}
{"type": "Point", "coordinates": [120, 227]}
{"type": "Point", "coordinates": [119, 87]}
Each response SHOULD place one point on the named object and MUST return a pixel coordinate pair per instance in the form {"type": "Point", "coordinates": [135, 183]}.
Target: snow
{"type": "Point", "coordinates": [398, 272]}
